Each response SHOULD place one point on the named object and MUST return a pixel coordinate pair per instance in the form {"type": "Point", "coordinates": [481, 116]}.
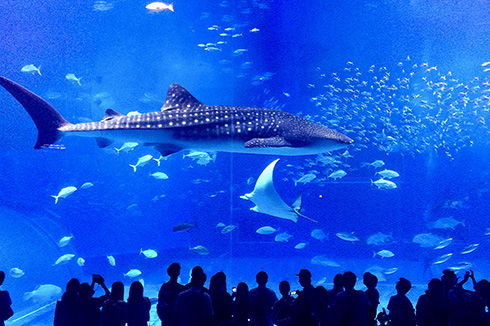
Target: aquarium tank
{"type": "Point", "coordinates": [397, 185]}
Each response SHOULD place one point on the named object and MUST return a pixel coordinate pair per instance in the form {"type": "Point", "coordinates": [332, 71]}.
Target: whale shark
{"type": "Point", "coordinates": [268, 201]}
{"type": "Point", "coordinates": [185, 123]}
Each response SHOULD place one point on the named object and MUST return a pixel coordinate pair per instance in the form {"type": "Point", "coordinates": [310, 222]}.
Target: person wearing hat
{"type": "Point", "coordinates": [305, 304]}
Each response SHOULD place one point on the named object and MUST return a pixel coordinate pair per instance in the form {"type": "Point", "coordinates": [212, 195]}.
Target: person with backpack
{"type": "Point", "coordinates": [194, 307]}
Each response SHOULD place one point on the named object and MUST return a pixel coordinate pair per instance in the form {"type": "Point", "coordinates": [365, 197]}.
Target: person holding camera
{"type": "Point", "coordinates": [88, 305]}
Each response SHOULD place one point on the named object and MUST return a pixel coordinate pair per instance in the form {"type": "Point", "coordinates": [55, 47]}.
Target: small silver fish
{"type": "Point", "coordinates": [31, 69]}
{"type": "Point", "coordinates": [72, 77]}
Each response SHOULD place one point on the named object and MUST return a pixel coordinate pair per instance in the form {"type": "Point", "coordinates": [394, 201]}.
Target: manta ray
{"type": "Point", "coordinates": [268, 201]}
{"type": "Point", "coordinates": [185, 123]}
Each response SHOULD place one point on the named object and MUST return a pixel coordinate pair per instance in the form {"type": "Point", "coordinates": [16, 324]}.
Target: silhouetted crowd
{"type": "Point", "coordinates": [445, 303]}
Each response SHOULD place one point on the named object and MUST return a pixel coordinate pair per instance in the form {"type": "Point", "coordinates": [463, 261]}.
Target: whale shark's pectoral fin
{"type": "Point", "coordinates": [267, 142]}
{"type": "Point", "coordinates": [165, 149]}
{"type": "Point", "coordinates": [110, 114]}
{"type": "Point", "coordinates": [103, 142]}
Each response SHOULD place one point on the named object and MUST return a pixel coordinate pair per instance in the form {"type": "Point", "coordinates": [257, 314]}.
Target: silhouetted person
{"type": "Point", "coordinates": [138, 306]}
{"type": "Point", "coordinates": [472, 276]}
{"type": "Point", "coordinates": [323, 311]}
{"type": "Point", "coordinates": [67, 310]}
{"type": "Point", "coordinates": [464, 307]}
{"type": "Point", "coordinates": [189, 285]}
{"type": "Point", "coordinates": [88, 305]}
{"type": "Point", "coordinates": [193, 307]}
{"type": "Point", "coordinates": [282, 310]}
{"type": "Point", "coordinates": [241, 305]}
{"type": "Point", "coordinates": [350, 306]}
{"type": "Point", "coordinates": [338, 286]}
{"type": "Point", "coordinates": [430, 309]}
{"type": "Point", "coordinates": [482, 289]}
{"type": "Point", "coordinates": [115, 309]}
{"type": "Point", "coordinates": [371, 281]}
{"type": "Point", "coordinates": [221, 299]}
{"type": "Point", "coordinates": [262, 300]}
{"type": "Point", "coordinates": [5, 303]}
{"type": "Point", "coordinates": [168, 294]}
{"type": "Point", "coordinates": [305, 303]}
{"type": "Point", "coordinates": [400, 307]}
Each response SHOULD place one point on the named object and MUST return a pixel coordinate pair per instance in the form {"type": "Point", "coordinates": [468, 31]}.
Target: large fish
{"type": "Point", "coordinates": [186, 123]}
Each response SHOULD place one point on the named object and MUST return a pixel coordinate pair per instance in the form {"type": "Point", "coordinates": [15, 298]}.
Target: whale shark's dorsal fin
{"type": "Point", "coordinates": [111, 114]}
{"type": "Point", "coordinates": [178, 97]}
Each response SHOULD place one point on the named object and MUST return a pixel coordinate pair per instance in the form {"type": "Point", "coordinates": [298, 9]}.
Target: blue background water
{"type": "Point", "coordinates": [127, 52]}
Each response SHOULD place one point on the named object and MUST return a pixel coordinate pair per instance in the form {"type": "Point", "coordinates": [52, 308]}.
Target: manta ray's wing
{"type": "Point", "coordinates": [266, 198]}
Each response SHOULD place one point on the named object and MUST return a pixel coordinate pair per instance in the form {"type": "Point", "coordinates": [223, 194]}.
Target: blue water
{"type": "Point", "coordinates": [127, 57]}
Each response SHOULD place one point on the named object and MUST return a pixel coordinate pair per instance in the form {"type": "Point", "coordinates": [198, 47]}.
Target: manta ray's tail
{"type": "Point", "coordinates": [46, 118]}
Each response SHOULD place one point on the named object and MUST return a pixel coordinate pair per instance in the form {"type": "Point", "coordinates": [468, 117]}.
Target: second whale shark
{"type": "Point", "coordinates": [185, 123]}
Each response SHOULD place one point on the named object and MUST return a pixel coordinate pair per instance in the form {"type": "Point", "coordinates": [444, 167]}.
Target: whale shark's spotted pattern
{"type": "Point", "coordinates": [208, 121]}
{"type": "Point", "coordinates": [185, 123]}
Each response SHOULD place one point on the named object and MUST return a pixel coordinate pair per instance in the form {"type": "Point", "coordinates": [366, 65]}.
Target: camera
{"type": "Point", "coordinates": [97, 278]}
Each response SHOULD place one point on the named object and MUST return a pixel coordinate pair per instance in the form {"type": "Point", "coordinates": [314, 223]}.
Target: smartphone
{"type": "Point", "coordinates": [234, 289]}
{"type": "Point", "coordinates": [293, 294]}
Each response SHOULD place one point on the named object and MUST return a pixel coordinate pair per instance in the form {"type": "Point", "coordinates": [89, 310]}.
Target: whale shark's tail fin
{"type": "Point", "coordinates": [46, 118]}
